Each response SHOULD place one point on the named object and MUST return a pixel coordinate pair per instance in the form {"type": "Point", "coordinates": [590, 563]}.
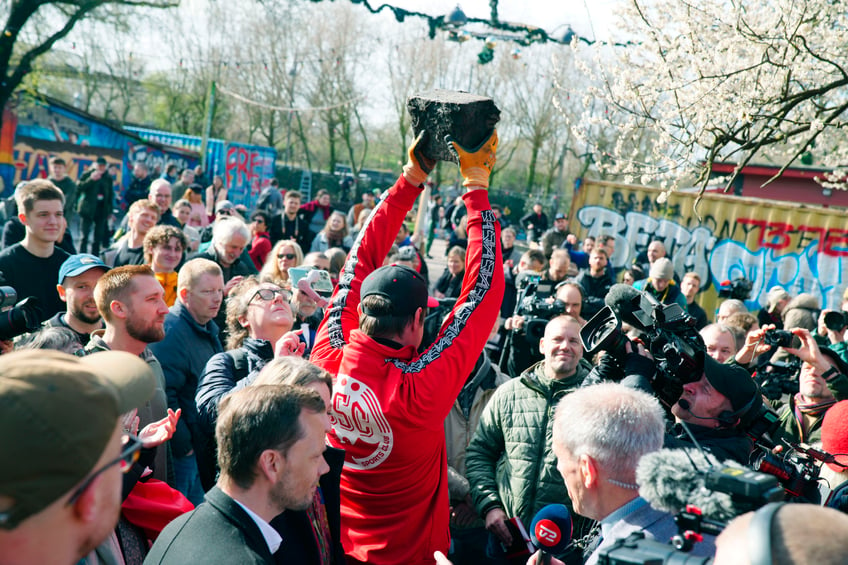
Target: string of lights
{"type": "Point", "coordinates": [246, 100]}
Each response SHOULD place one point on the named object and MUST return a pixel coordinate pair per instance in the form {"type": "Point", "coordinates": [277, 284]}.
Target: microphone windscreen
{"type": "Point", "coordinates": [669, 481]}
{"type": "Point", "coordinates": [551, 529]}
{"type": "Point", "coordinates": [624, 300]}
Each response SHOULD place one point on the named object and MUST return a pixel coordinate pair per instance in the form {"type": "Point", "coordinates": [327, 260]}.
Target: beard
{"type": "Point", "coordinates": [79, 314]}
{"type": "Point", "coordinates": [284, 498]}
{"type": "Point", "coordinates": [148, 334]}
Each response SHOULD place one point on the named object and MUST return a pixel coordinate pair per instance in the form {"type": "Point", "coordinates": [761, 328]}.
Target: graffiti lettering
{"type": "Point", "coordinates": [155, 158]}
{"type": "Point", "coordinates": [778, 235]}
{"type": "Point", "coordinates": [816, 268]}
{"type": "Point", "coordinates": [32, 163]}
{"type": "Point", "coordinates": [804, 271]}
{"type": "Point", "coordinates": [248, 170]}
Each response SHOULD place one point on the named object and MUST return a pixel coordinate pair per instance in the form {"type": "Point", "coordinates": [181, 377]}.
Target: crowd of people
{"type": "Point", "coordinates": [218, 385]}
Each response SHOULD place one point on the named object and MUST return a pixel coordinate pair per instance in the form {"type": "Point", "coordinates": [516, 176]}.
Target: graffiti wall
{"type": "Point", "coordinates": [193, 143]}
{"type": "Point", "coordinates": [799, 248]}
{"type": "Point", "coordinates": [39, 130]}
{"type": "Point", "coordinates": [246, 169]}
{"type": "Point", "coordinates": [32, 157]}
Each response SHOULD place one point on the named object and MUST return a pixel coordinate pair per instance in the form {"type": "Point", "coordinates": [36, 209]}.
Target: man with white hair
{"type": "Point", "coordinates": [599, 435]}
{"type": "Point", "coordinates": [192, 341]}
{"type": "Point", "coordinates": [229, 240]}
{"type": "Point", "coordinates": [720, 341]}
{"type": "Point", "coordinates": [728, 308]}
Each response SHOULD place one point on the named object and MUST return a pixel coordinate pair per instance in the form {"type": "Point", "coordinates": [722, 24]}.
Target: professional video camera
{"type": "Point", "coordinates": [539, 312]}
{"type": "Point", "coordinates": [635, 548]}
{"type": "Point", "coordinates": [740, 289]}
{"type": "Point", "coordinates": [777, 378]}
{"type": "Point", "coordinates": [17, 318]}
{"type": "Point", "coordinates": [668, 332]}
{"type": "Point", "coordinates": [533, 304]}
{"type": "Point", "coordinates": [748, 490]}
{"type": "Point", "coordinates": [797, 468]}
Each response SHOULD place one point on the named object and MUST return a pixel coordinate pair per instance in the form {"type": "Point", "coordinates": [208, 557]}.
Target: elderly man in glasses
{"type": "Point", "coordinates": [64, 446]}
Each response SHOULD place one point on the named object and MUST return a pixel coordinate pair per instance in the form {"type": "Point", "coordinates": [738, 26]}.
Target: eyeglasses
{"type": "Point", "coordinates": [288, 256]}
{"type": "Point", "coordinates": [258, 221]}
{"type": "Point", "coordinates": [224, 212]}
{"type": "Point", "coordinates": [129, 455]}
{"type": "Point", "coordinates": [268, 294]}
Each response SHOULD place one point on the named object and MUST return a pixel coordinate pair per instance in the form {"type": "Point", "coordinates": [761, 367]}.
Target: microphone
{"type": "Point", "coordinates": [625, 301]}
{"type": "Point", "coordinates": [683, 403]}
{"type": "Point", "coordinates": [669, 481]}
{"type": "Point", "coordinates": [551, 531]}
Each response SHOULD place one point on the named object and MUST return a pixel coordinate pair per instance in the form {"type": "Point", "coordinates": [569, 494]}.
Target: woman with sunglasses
{"type": "Point", "coordinates": [259, 320]}
{"type": "Point", "coordinates": [283, 256]}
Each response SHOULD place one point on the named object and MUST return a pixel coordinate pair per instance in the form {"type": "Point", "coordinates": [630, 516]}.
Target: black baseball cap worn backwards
{"type": "Point", "coordinates": [402, 286]}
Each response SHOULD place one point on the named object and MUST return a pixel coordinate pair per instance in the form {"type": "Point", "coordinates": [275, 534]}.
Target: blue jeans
{"type": "Point", "coordinates": [188, 478]}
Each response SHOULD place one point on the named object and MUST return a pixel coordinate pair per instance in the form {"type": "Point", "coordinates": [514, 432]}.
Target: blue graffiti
{"type": "Point", "coordinates": [805, 271]}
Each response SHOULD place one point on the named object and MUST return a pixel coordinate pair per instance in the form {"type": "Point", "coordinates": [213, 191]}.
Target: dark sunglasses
{"type": "Point", "coordinates": [288, 256]}
{"type": "Point", "coordinates": [268, 294]}
{"type": "Point", "coordinates": [129, 455]}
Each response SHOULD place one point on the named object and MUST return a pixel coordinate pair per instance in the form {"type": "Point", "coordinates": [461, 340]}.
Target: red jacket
{"type": "Point", "coordinates": [389, 405]}
{"type": "Point", "coordinates": [260, 247]}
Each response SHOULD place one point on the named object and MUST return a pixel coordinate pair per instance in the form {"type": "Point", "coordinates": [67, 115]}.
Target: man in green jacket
{"type": "Point", "coordinates": [510, 462]}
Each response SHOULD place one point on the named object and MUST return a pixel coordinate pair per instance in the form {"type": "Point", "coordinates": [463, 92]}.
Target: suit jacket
{"type": "Point", "coordinates": [657, 525]}
{"type": "Point", "coordinates": [218, 532]}
{"type": "Point", "coordinates": [299, 545]}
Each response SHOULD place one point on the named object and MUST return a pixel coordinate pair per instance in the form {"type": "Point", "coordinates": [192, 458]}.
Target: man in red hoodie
{"type": "Point", "coordinates": [389, 401]}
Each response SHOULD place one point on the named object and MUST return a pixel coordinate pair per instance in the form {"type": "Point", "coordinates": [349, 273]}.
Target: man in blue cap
{"type": "Point", "coordinates": [77, 277]}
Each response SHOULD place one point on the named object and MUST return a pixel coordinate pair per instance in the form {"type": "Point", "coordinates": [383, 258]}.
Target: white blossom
{"type": "Point", "coordinates": [739, 81]}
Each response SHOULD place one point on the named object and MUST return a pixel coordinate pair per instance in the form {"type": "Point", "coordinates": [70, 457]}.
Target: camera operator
{"type": "Point", "coordinates": [534, 307]}
{"type": "Point", "coordinates": [822, 381]}
{"type": "Point", "coordinates": [776, 300]}
{"type": "Point", "coordinates": [670, 361]}
{"type": "Point", "coordinates": [571, 295]}
{"type": "Point", "coordinates": [531, 260]}
{"type": "Point", "coordinates": [713, 407]}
